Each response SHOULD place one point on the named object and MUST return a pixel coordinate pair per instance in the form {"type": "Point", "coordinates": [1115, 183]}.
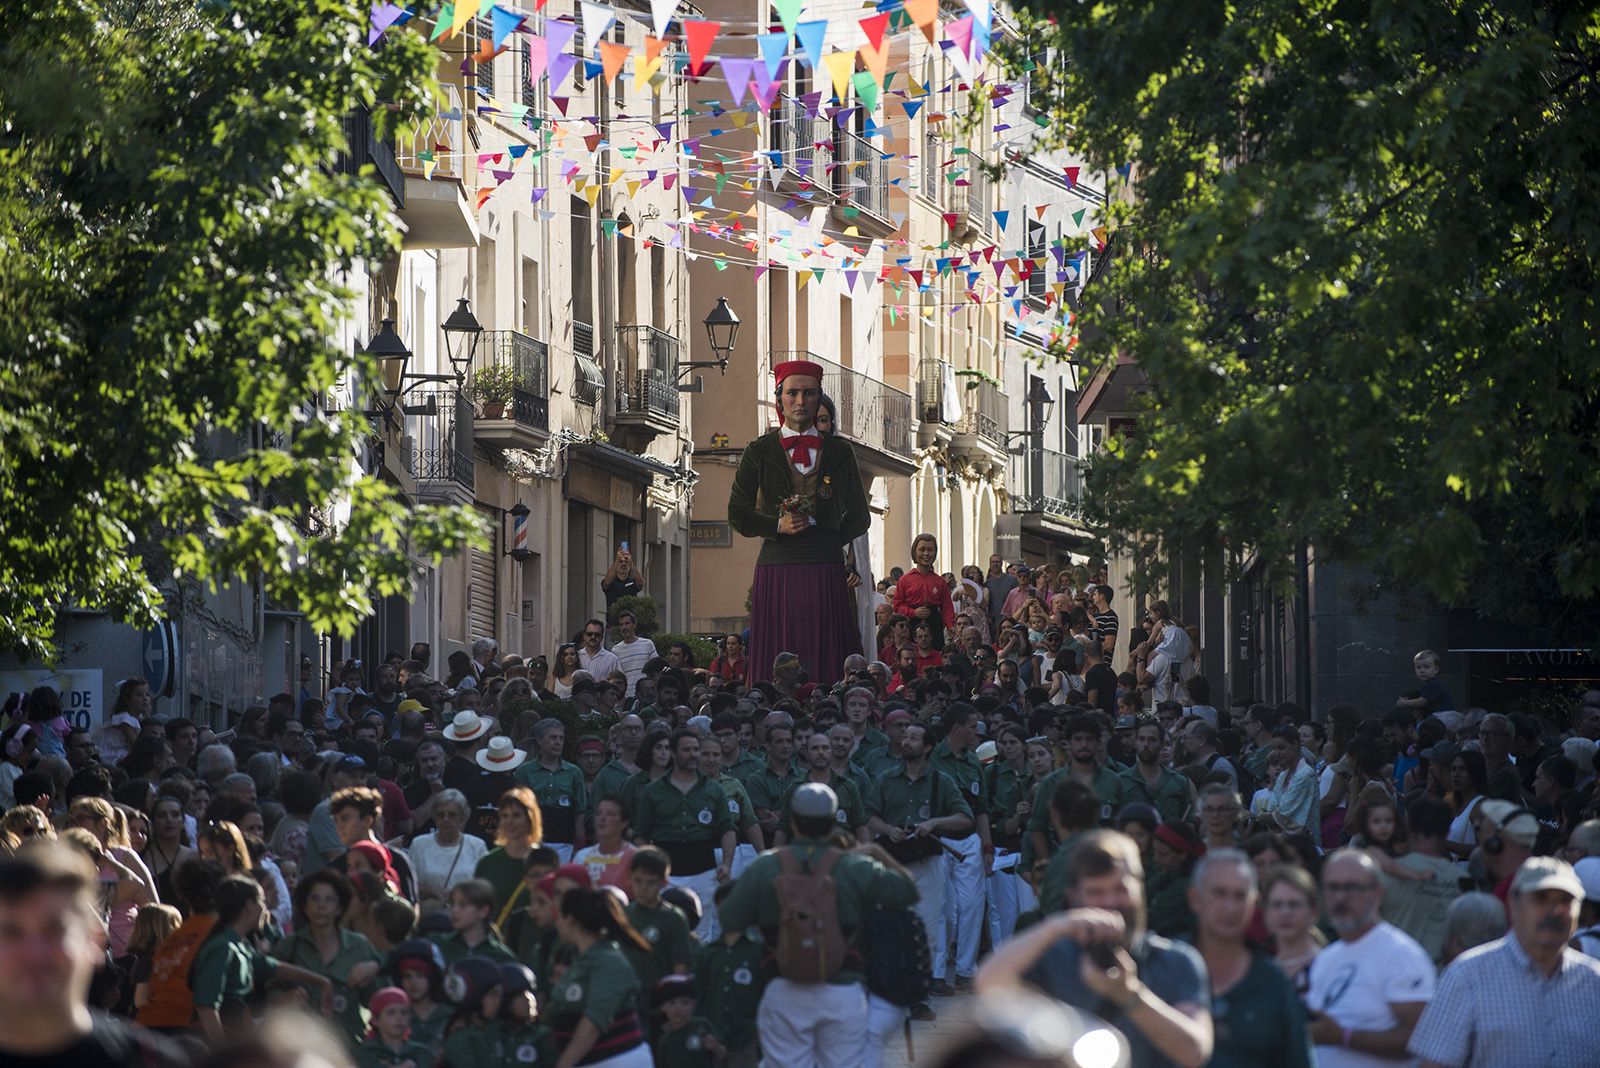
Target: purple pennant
{"type": "Point", "coordinates": [384, 15]}
{"type": "Point", "coordinates": [842, 117]}
{"type": "Point", "coordinates": [736, 72]}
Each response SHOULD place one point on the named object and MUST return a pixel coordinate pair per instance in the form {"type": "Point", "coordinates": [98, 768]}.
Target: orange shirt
{"type": "Point", "coordinates": [171, 1001]}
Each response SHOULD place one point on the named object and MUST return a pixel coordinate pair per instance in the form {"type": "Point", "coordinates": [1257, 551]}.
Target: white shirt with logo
{"type": "Point", "coordinates": [1354, 983]}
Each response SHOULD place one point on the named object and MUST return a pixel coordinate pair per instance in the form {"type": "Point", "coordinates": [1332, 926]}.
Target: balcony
{"type": "Point", "coordinates": [648, 360]}
{"type": "Point", "coordinates": [979, 197]}
{"type": "Point", "coordinates": [437, 161]}
{"type": "Point", "coordinates": [438, 448]}
{"type": "Point", "coordinates": [983, 421]}
{"type": "Point", "coordinates": [588, 381]}
{"type": "Point", "coordinates": [523, 421]}
{"type": "Point", "coordinates": [936, 403]}
{"type": "Point", "coordinates": [806, 141]}
{"type": "Point", "coordinates": [861, 182]}
{"type": "Point", "coordinates": [1047, 483]}
{"type": "Point", "coordinates": [364, 146]}
{"type": "Point", "coordinates": [872, 414]}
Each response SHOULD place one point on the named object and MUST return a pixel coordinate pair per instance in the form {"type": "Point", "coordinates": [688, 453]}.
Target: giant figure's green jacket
{"type": "Point", "coordinates": [839, 501]}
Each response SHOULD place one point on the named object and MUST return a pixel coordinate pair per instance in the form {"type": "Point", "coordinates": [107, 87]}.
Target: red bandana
{"type": "Point", "coordinates": [800, 447]}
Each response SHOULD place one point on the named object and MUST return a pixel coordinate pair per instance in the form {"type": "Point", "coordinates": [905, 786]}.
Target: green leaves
{"type": "Point", "coordinates": [1359, 278]}
{"type": "Point", "coordinates": [173, 250]}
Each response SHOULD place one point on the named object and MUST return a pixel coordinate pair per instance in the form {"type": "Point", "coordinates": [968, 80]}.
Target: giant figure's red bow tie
{"type": "Point", "coordinates": [800, 447]}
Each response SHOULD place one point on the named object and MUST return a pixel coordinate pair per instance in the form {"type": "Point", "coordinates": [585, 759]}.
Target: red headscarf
{"type": "Point", "coordinates": [377, 855]}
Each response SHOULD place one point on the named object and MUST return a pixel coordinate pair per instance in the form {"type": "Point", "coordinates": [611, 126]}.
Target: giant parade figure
{"type": "Point", "coordinates": [800, 491]}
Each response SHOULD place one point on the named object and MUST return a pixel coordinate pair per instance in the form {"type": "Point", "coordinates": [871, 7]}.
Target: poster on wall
{"type": "Point", "coordinates": [81, 689]}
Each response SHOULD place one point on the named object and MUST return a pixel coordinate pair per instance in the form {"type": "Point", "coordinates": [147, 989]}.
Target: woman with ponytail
{"type": "Point", "coordinates": [594, 1008]}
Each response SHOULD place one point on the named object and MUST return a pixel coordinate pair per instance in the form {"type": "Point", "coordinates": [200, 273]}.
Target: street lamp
{"type": "Point", "coordinates": [1040, 400]}
{"type": "Point", "coordinates": [461, 333]}
{"type": "Point", "coordinates": [722, 327]}
{"type": "Point", "coordinates": [392, 356]}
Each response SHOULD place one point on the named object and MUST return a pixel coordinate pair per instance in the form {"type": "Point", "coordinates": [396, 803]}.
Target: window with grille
{"type": "Point", "coordinates": [1037, 253]}
{"type": "Point", "coordinates": [483, 37]}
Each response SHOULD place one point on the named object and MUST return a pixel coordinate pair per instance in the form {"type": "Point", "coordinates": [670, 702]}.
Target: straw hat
{"type": "Point", "coordinates": [501, 755]}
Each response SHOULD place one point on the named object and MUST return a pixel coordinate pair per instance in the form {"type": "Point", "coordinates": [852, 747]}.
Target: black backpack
{"type": "Point", "coordinates": [899, 964]}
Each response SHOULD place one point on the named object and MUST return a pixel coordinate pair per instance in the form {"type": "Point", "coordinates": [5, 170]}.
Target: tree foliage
{"type": "Point", "coordinates": [1356, 261]}
{"type": "Point", "coordinates": [172, 242]}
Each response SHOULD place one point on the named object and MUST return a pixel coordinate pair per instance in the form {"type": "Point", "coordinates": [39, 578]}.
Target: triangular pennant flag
{"type": "Point", "coordinates": [661, 12]}
{"type": "Point", "coordinates": [1072, 176]}
{"type": "Point", "coordinates": [643, 72]}
{"type": "Point", "coordinates": [1000, 219]}
{"type": "Point", "coordinates": [766, 90]}
{"type": "Point", "coordinates": [866, 90]}
{"type": "Point", "coordinates": [1077, 216]}
{"type": "Point", "coordinates": [811, 35]}
{"type": "Point", "coordinates": [960, 31]}
{"type": "Point", "coordinates": [925, 16]}
{"type": "Point", "coordinates": [504, 23]}
{"type": "Point", "coordinates": [700, 35]}
{"type": "Point", "coordinates": [788, 12]}
{"type": "Point", "coordinates": [459, 18]}
{"type": "Point", "coordinates": [442, 22]}
{"type": "Point", "coordinates": [653, 47]}
{"type": "Point", "coordinates": [384, 15]}
{"type": "Point", "coordinates": [839, 65]}
{"type": "Point", "coordinates": [912, 107]}
{"type": "Point", "coordinates": [774, 46]}
{"type": "Point", "coordinates": [537, 53]}
{"type": "Point", "coordinates": [736, 72]}
{"type": "Point", "coordinates": [876, 60]}
{"type": "Point", "coordinates": [597, 19]}
{"type": "Point", "coordinates": [874, 28]}
{"type": "Point", "coordinates": [612, 57]}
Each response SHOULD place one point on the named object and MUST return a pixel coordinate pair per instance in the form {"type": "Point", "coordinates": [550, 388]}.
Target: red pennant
{"type": "Point", "coordinates": [1072, 176]}
{"type": "Point", "coordinates": [951, 218]}
{"type": "Point", "coordinates": [701, 35]}
{"type": "Point", "coordinates": [874, 28]}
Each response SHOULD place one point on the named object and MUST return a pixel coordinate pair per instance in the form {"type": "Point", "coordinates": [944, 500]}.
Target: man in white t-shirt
{"type": "Point", "coordinates": [632, 651]}
{"type": "Point", "coordinates": [593, 657]}
{"type": "Point", "coordinates": [1369, 988]}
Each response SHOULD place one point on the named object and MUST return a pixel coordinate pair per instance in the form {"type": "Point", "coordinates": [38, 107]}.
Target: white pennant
{"type": "Point", "coordinates": [661, 12]}
{"type": "Point", "coordinates": [597, 19]}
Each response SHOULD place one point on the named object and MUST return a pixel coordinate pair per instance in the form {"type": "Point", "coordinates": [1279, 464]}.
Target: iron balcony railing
{"type": "Point", "coordinates": [441, 439]}
{"type": "Point", "coordinates": [529, 360]}
{"type": "Point", "coordinates": [978, 198]}
{"type": "Point", "coordinates": [652, 357]}
{"type": "Point", "coordinates": [439, 145]}
{"type": "Point", "coordinates": [872, 413]}
{"type": "Point", "coordinates": [804, 138]}
{"type": "Point", "coordinates": [984, 412]}
{"type": "Point", "coordinates": [1047, 481]}
{"type": "Point", "coordinates": [930, 390]}
{"type": "Point", "coordinates": [861, 178]}
{"type": "Point", "coordinates": [364, 146]}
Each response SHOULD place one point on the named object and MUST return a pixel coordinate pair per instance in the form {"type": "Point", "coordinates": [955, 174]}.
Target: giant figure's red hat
{"type": "Point", "coordinates": [797, 367]}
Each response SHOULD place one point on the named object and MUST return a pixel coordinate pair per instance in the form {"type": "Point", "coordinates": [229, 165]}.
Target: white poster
{"type": "Point", "coordinates": [82, 691]}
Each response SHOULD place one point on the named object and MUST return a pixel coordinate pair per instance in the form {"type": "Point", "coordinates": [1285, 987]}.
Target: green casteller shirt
{"type": "Point", "coordinates": [455, 948]}
{"type": "Point", "coordinates": [747, 765]}
{"type": "Point", "coordinates": [852, 812]}
{"type": "Point", "coordinates": [967, 772]}
{"type": "Point", "coordinates": [1170, 796]}
{"type": "Point", "coordinates": [522, 1044]}
{"type": "Point", "coordinates": [473, 1046]}
{"type": "Point", "coordinates": [349, 1003]}
{"type": "Point", "coordinates": [1260, 1021]}
{"type": "Point", "coordinates": [740, 808]}
{"type": "Point", "coordinates": [838, 504]}
{"type": "Point", "coordinates": [860, 882]}
{"type": "Point", "coordinates": [1166, 895]}
{"type": "Point", "coordinates": [562, 797]}
{"type": "Point", "coordinates": [667, 814]}
{"type": "Point", "coordinates": [728, 978]}
{"type": "Point", "coordinates": [686, 1047]}
{"type": "Point", "coordinates": [225, 971]}
{"type": "Point", "coordinates": [767, 787]}
{"type": "Point", "coordinates": [903, 802]}
{"type": "Point", "coordinates": [874, 741]}
{"type": "Point", "coordinates": [629, 794]}
{"type": "Point", "coordinates": [1108, 786]}
{"type": "Point", "coordinates": [504, 872]}
{"type": "Point", "coordinates": [1053, 887]}
{"type": "Point", "coordinates": [880, 761]}
{"type": "Point", "coordinates": [858, 775]}
{"type": "Point", "coordinates": [429, 1029]}
{"type": "Point", "coordinates": [375, 1053]}
{"type": "Point", "coordinates": [599, 985]}
{"type": "Point", "coordinates": [1006, 788]}
{"type": "Point", "coordinates": [666, 928]}
{"type": "Point", "coordinates": [608, 781]}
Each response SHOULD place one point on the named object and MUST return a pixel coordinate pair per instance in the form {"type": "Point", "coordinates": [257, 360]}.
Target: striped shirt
{"type": "Point", "coordinates": [1494, 1006]}
{"type": "Point", "coordinates": [1106, 625]}
{"type": "Point", "coordinates": [633, 656]}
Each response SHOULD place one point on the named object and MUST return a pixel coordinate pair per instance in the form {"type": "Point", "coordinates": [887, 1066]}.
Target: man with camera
{"type": "Point", "coordinates": [1098, 957]}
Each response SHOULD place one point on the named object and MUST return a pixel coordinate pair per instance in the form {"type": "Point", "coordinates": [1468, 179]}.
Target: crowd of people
{"type": "Point", "coordinates": [622, 857]}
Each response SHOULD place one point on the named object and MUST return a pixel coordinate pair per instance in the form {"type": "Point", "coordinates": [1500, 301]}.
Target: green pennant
{"type": "Point", "coordinates": [442, 21]}
{"type": "Point", "coordinates": [789, 13]}
{"type": "Point", "coordinates": [866, 90]}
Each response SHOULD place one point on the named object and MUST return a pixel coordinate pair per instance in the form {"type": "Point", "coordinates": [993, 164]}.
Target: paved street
{"type": "Point", "coordinates": [929, 1037]}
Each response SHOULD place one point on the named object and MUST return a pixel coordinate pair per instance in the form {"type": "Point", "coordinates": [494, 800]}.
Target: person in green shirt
{"type": "Point", "coordinates": [389, 1046]}
{"type": "Point", "coordinates": [625, 737]}
{"type": "Point", "coordinates": [1074, 812]}
{"type": "Point", "coordinates": [729, 978]}
{"type": "Point", "coordinates": [1084, 735]}
{"type": "Point", "coordinates": [1169, 791]}
{"type": "Point", "coordinates": [772, 780]}
{"type": "Point", "coordinates": [880, 761]}
{"type": "Point", "coordinates": [795, 1020]}
{"type": "Point", "coordinates": [323, 946]}
{"type": "Point", "coordinates": [844, 763]}
{"type": "Point", "coordinates": [472, 1039]}
{"type": "Point", "coordinates": [662, 925]}
{"type": "Point", "coordinates": [852, 814]}
{"type": "Point", "coordinates": [686, 814]}
{"type": "Point", "coordinates": [558, 784]}
{"type": "Point", "coordinates": [859, 705]}
{"type": "Point", "coordinates": [227, 966]}
{"type": "Point", "coordinates": [518, 831]}
{"type": "Point", "coordinates": [417, 967]}
{"type": "Point", "coordinates": [972, 854]}
{"type": "Point", "coordinates": [523, 1040]}
{"type": "Point", "coordinates": [740, 808]}
{"type": "Point", "coordinates": [685, 1040]}
{"type": "Point", "coordinates": [1166, 881]}
{"type": "Point", "coordinates": [594, 1008]}
{"type": "Point", "coordinates": [737, 761]}
{"type": "Point", "coordinates": [655, 762]}
{"type": "Point", "coordinates": [471, 932]}
{"type": "Point", "coordinates": [1257, 1018]}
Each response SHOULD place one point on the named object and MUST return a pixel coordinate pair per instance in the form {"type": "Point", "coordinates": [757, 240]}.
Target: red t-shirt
{"type": "Point", "coordinates": [918, 590]}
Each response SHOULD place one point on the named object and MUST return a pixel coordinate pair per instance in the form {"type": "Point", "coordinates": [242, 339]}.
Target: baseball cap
{"type": "Point", "coordinates": [1588, 873]}
{"type": "Point", "coordinates": [1546, 873]}
{"type": "Point", "coordinates": [813, 800]}
{"type": "Point", "coordinates": [1522, 827]}
{"type": "Point", "coordinates": [1440, 753]}
{"type": "Point", "coordinates": [409, 705]}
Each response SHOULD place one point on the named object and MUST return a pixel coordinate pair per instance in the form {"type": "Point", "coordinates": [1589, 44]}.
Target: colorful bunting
{"type": "Point", "coordinates": [700, 35]}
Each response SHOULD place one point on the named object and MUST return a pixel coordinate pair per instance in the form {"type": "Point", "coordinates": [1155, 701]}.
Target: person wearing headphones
{"type": "Point", "coordinates": [1509, 834]}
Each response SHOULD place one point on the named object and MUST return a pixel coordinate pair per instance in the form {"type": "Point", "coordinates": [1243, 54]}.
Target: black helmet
{"type": "Point", "coordinates": [469, 979]}
{"type": "Point", "coordinates": [518, 977]}
{"type": "Point", "coordinates": [417, 951]}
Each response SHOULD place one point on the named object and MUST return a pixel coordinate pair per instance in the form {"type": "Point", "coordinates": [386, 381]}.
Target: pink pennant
{"type": "Point", "coordinates": [960, 32]}
{"type": "Point", "coordinates": [538, 58]}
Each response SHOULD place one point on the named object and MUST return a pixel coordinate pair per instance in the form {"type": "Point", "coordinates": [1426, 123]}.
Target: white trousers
{"type": "Point", "coordinates": [1009, 898]}
{"type": "Point", "coordinates": [743, 857]}
{"type": "Point", "coordinates": [885, 1024]}
{"type": "Point", "coordinates": [806, 1024]}
{"type": "Point", "coordinates": [963, 904]}
{"type": "Point", "coordinates": [705, 887]}
{"type": "Point", "coordinates": [930, 879]}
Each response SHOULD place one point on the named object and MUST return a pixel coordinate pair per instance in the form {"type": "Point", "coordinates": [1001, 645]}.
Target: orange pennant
{"type": "Point", "coordinates": [925, 14]}
{"type": "Point", "coordinates": [653, 47]}
{"type": "Point", "coordinates": [612, 57]}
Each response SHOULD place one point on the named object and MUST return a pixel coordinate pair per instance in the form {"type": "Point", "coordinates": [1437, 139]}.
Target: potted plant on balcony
{"type": "Point", "coordinates": [492, 387]}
